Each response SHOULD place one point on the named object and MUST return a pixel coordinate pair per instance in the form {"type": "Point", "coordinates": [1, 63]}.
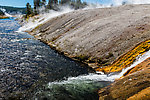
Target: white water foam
{"type": "Point", "coordinates": [103, 77]}
{"type": "Point", "coordinates": [119, 2]}
{"type": "Point", "coordinates": [139, 60]}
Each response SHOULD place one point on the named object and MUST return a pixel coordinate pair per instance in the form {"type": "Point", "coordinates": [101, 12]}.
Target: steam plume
{"type": "Point", "coordinates": [119, 2]}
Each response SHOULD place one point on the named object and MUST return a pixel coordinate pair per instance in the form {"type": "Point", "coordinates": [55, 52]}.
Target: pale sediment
{"type": "Point", "coordinates": [97, 36]}
{"type": "Point", "coordinates": [100, 36]}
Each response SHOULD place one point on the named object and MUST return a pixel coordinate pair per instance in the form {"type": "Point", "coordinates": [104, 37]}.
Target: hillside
{"type": "Point", "coordinates": [14, 9]}
{"type": "Point", "coordinates": [108, 39]}
{"type": "Point", "coordinates": [97, 36]}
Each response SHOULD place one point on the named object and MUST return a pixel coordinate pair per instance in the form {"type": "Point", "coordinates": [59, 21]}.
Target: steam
{"type": "Point", "coordinates": [4, 11]}
{"type": "Point", "coordinates": [97, 5]}
{"type": "Point", "coordinates": [119, 2]}
{"type": "Point", "coordinates": [42, 18]}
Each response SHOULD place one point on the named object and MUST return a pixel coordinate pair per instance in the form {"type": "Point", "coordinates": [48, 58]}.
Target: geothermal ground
{"type": "Point", "coordinates": [98, 35]}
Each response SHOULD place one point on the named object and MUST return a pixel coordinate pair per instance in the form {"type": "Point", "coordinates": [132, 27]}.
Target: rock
{"type": "Point", "coordinates": [134, 85]}
{"type": "Point", "coordinates": [142, 66]}
{"type": "Point", "coordinates": [127, 59]}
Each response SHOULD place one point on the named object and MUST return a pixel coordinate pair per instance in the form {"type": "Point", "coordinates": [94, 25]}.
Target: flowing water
{"type": "Point", "coordinates": [30, 69]}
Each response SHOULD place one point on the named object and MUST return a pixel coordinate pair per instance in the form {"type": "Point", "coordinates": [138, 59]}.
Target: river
{"type": "Point", "coordinates": [29, 69]}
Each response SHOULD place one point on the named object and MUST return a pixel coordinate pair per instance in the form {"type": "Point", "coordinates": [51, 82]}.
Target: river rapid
{"type": "Point", "coordinates": [29, 69]}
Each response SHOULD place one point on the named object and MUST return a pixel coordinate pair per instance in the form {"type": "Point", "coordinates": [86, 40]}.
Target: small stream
{"type": "Point", "coordinates": [29, 69]}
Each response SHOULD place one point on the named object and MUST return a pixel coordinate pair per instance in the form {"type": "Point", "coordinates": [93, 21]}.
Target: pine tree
{"type": "Point", "coordinates": [65, 2]}
{"type": "Point", "coordinates": [78, 4]}
{"type": "Point", "coordinates": [28, 10]}
{"type": "Point", "coordinates": [50, 4]}
{"type": "Point", "coordinates": [78, 1]}
{"type": "Point", "coordinates": [1, 13]}
{"type": "Point", "coordinates": [43, 3]}
{"type": "Point", "coordinates": [37, 4]}
{"type": "Point", "coordinates": [55, 2]}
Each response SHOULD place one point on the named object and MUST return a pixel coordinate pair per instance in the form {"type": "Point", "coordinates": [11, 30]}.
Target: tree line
{"type": "Point", "coordinates": [52, 4]}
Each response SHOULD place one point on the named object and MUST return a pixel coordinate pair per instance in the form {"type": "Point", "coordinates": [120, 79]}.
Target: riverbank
{"type": "Point", "coordinates": [27, 66]}
{"type": "Point", "coordinates": [134, 85]}
{"type": "Point", "coordinates": [107, 39]}
{"type": "Point", "coordinates": [4, 17]}
{"type": "Point", "coordinates": [127, 59]}
{"type": "Point", "coordinates": [94, 37]}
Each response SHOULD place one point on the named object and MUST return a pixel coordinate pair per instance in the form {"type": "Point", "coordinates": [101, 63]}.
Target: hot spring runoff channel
{"type": "Point", "coordinates": [29, 69]}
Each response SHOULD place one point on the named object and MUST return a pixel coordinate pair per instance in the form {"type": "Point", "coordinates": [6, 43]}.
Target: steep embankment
{"type": "Point", "coordinates": [108, 39]}
{"type": "Point", "coordinates": [135, 85]}
{"type": "Point", "coordinates": [128, 58]}
{"type": "Point", "coordinates": [97, 36]}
